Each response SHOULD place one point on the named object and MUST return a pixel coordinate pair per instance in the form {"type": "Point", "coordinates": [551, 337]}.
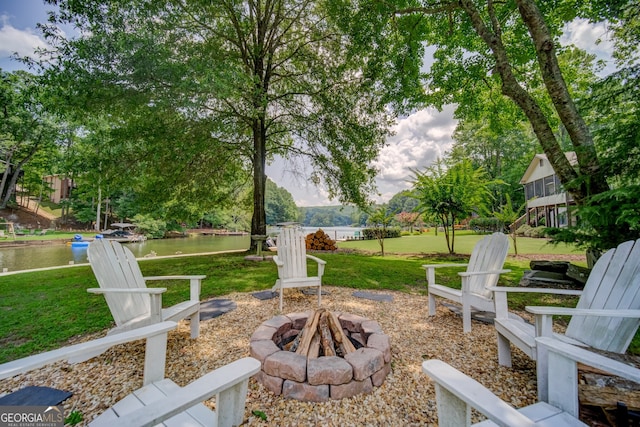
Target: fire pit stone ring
{"type": "Point", "coordinates": [318, 379]}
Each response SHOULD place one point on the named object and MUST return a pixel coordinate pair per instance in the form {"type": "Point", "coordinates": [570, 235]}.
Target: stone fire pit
{"type": "Point", "coordinates": [318, 379]}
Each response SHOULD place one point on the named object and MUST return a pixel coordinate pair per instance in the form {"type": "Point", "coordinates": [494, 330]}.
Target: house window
{"type": "Point", "coordinates": [558, 184]}
{"type": "Point", "coordinates": [528, 191]}
{"type": "Point", "coordinates": [539, 188]}
{"type": "Point", "coordinates": [541, 162]}
{"type": "Point", "coordinates": [549, 186]}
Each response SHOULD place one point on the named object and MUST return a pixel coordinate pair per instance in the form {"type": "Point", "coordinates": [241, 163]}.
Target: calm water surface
{"type": "Point", "coordinates": [29, 257]}
{"type": "Point", "coordinates": [41, 256]}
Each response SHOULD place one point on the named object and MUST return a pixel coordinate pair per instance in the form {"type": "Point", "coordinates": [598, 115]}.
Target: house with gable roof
{"type": "Point", "coordinates": [547, 202]}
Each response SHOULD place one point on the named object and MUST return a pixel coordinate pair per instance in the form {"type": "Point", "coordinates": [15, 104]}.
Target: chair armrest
{"type": "Point", "coordinates": [425, 266]}
{"type": "Point", "coordinates": [126, 291]}
{"type": "Point", "coordinates": [589, 358]}
{"type": "Point", "coordinates": [321, 264]}
{"type": "Point", "coordinates": [544, 316]}
{"type": "Point", "coordinates": [562, 371]}
{"type": "Point", "coordinates": [316, 259]}
{"type": "Point", "coordinates": [535, 290]}
{"type": "Point", "coordinates": [194, 280]}
{"type": "Point", "coordinates": [202, 389]}
{"type": "Point", "coordinates": [477, 273]}
{"type": "Point", "coordinates": [568, 311]}
{"type": "Point", "coordinates": [277, 261]}
{"type": "Point", "coordinates": [76, 352]}
{"type": "Point", "coordinates": [456, 393]}
{"type": "Point", "coordinates": [431, 271]}
{"type": "Point", "coordinates": [500, 296]}
{"type": "Point", "coordinates": [196, 277]}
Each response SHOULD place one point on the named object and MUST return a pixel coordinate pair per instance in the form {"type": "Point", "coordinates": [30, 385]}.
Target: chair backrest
{"type": "Point", "coordinates": [116, 267]}
{"type": "Point", "coordinates": [488, 254]}
{"type": "Point", "coordinates": [614, 283]}
{"type": "Point", "coordinates": [292, 251]}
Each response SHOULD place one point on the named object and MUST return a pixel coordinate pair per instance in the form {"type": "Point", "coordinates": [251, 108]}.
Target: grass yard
{"type": "Point", "coordinates": [43, 310]}
{"type": "Point", "coordinates": [429, 243]}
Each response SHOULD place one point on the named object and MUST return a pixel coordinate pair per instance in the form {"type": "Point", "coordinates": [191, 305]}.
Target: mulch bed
{"type": "Point", "coordinates": [406, 398]}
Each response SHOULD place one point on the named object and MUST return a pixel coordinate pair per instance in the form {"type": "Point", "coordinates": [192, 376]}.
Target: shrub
{"type": "Point", "coordinates": [372, 233]}
{"type": "Point", "coordinates": [529, 231]}
{"type": "Point", "coordinates": [486, 225]}
{"type": "Point", "coordinates": [151, 228]}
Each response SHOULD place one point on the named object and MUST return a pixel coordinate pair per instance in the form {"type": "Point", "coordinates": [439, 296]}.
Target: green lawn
{"type": "Point", "coordinates": [429, 243]}
{"type": "Point", "coordinates": [43, 310]}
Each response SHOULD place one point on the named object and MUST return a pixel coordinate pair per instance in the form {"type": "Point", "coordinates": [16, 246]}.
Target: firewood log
{"type": "Point", "coordinates": [339, 334]}
{"type": "Point", "coordinates": [607, 397]}
{"type": "Point", "coordinates": [308, 332]}
{"type": "Point", "coordinates": [326, 340]}
{"type": "Point", "coordinates": [314, 346]}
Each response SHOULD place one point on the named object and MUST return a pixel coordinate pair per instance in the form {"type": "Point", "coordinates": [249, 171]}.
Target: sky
{"type": "Point", "coordinates": [418, 140]}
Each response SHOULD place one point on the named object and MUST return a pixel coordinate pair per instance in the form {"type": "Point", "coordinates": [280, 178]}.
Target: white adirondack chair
{"type": "Point", "coordinates": [606, 317]}
{"type": "Point", "coordinates": [291, 260]}
{"type": "Point", "coordinates": [457, 393]}
{"type": "Point", "coordinates": [159, 399]}
{"type": "Point", "coordinates": [483, 270]}
{"type": "Point", "coordinates": [155, 356]}
{"type": "Point", "coordinates": [132, 304]}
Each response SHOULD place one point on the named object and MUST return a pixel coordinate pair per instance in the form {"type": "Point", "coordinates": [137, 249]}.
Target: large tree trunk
{"type": "Point", "coordinates": [588, 179]}
{"type": "Point", "coordinates": [259, 218]}
{"type": "Point", "coordinates": [573, 122]}
{"type": "Point", "coordinates": [10, 187]}
{"type": "Point", "coordinates": [6, 176]}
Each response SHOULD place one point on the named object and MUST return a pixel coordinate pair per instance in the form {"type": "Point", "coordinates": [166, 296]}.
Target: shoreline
{"type": "Point", "coordinates": [19, 243]}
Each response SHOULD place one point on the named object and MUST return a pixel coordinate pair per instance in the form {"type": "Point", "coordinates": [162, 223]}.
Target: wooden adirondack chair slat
{"type": "Point", "coordinates": [606, 317]}
{"type": "Point", "coordinates": [291, 260]}
{"type": "Point", "coordinates": [483, 271]}
{"type": "Point", "coordinates": [456, 393]}
{"type": "Point", "coordinates": [609, 333]}
{"type": "Point", "coordinates": [160, 401]}
{"type": "Point", "coordinates": [117, 272]}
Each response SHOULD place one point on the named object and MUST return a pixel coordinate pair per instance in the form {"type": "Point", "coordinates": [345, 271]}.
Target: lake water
{"type": "Point", "coordinates": [52, 255]}
{"type": "Point", "coordinates": [41, 256]}
{"type": "Point", "coordinates": [335, 233]}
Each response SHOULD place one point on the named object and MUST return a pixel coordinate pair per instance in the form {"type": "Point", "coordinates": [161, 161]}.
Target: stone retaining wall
{"type": "Point", "coordinates": [323, 378]}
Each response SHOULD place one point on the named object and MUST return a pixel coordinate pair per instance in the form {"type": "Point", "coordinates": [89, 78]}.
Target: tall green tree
{"type": "Point", "coordinates": [613, 217]}
{"type": "Point", "coordinates": [243, 82]}
{"type": "Point", "coordinates": [28, 128]}
{"type": "Point", "coordinates": [380, 218]}
{"type": "Point", "coordinates": [504, 152]}
{"type": "Point", "coordinates": [507, 215]}
{"type": "Point", "coordinates": [403, 201]}
{"type": "Point", "coordinates": [279, 204]}
{"type": "Point", "coordinates": [512, 45]}
{"type": "Point", "coordinates": [451, 193]}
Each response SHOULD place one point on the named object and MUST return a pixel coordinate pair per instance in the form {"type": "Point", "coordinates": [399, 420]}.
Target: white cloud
{"type": "Point", "coordinates": [23, 42]}
{"type": "Point", "coordinates": [588, 36]}
{"type": "Point", "coordinates": [591, 37]}
{"type": "Point", "coordinates": [419, 140]}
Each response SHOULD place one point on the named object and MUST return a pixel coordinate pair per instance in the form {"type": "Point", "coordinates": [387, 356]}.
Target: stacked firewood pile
{"type": "Point", "coordinates": [320, 241]}
{"type": "Point", "coordinates": [322, 335]}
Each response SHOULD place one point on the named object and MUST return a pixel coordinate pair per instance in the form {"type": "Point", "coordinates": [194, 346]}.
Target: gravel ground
{"type": "Point", "coordinates": [407, 397]}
